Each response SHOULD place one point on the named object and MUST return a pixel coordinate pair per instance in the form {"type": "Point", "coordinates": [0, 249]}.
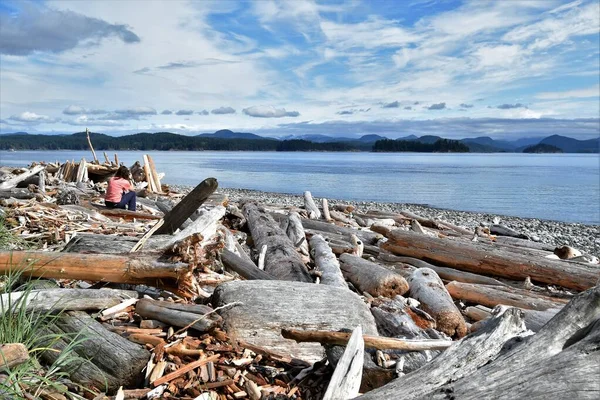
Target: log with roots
{"type": "Point", "coordinates": [427, 287]}
{"type": "Point", "coordinates": [492, 260]}
{"type": "Point", "coordinates": [372, 278]}
{"type": "Point", "coordinates": [282, 261]}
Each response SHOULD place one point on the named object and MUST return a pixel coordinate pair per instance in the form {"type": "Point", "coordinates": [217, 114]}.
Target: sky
{"type": "Point", "coordinates": [505, 69]}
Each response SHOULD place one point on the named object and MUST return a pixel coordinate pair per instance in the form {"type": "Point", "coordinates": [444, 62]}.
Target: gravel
{"type": "Point", "coordinates": [581, 236]}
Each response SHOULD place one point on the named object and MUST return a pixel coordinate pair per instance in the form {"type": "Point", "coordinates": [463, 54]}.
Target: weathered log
{"type": "Point", "coordinates": [87, 133]}
{"type": "Point", "coordinates": [155, 177]}
{"type": "Point", "coordinates": [196, 316]}
{"type": "Point", "coordinates": [448, 274]}
{"type": "Point", "coordinates": [244, 268]}
{"type": "Point", "coordinates": [561, 359]}
{"type": "Point", "coordinates": [125, 214]}
{"type": "Point", "coordinates": [131, 268]}
{"type": "Point", "coordinates": [42, 181]}
{"type": "Point", "coordinates": [341, 217]}
{"type": "Point", "coordinates": [310, 206]}
{"type": "Point", "coordinates": [63, 299]}
{"type": "Point", "coordinates": [105, 360]}
{"type": "Point", "coordinates": [205, 224]}
{"type": "Point", "coordinates": [347, 376]}
{"type": "Point", "coordinates": [269, 306]}
{"type": "Point", "coordinates": [502, 230]}
{"type": "Point", "coordinates": [373, 342]}
{"type": "Point", "coordinates": [326, 214]}
{"type": "Point", "coordinates": [489, 259]}
{"type": "Point", "coordinates": [428, 288]}
{"type": "Point", "coordinates": [327, 263]}
{"type": "Point", "coordinates": [421, 220]}
{"type": "Point", "coordinates": [101, 244]}
{"type": "Point", "coordinates": [368, 237]}
{"type": "Point", "coordinates": [529, 244]}
{"type": "Point", "coordinates": [12, 182]}
{"type": "Point", "coordinates": [282, 261]}
{"type": "Point", "coordinates": [490, 296]}
{"type": "Point", "coordinates": [187, 206]}
{"type": "Point", "coordinates": [293, 228]}
{"type": "Point", "coordinates": [17, 194]}
{"type": "Point", "coordinates": [372, 278]}
{"type": "Point", "coordinates": [12, 355]}
{"type": "Point", "coordinates": [460, 360]}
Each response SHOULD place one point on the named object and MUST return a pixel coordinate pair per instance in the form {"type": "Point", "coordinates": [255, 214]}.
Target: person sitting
{"type": "Point", "coordinates": [118, 192]}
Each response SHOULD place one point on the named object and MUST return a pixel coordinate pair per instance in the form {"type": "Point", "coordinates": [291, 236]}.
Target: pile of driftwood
{"type": "Point", "coordinates": [203, 298]}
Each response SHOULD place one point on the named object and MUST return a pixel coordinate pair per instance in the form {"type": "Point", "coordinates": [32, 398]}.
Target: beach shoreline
{"type": "Point", "coordinates": [585, 237]}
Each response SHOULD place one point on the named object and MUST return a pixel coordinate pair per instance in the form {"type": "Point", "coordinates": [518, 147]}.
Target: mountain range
{"type": "Point", "coordinates": [483, 144]}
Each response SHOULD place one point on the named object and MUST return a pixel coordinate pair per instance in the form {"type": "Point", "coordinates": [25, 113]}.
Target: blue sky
{"type": "Point", "coordinates": [504, 69]}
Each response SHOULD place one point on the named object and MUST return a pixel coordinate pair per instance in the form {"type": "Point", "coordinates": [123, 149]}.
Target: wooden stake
{"type": "Point", "coordinates": [87, 132]}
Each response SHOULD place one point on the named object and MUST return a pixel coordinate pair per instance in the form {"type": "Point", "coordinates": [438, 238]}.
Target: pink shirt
{"type": "Point", "coordinates": [115, 189]}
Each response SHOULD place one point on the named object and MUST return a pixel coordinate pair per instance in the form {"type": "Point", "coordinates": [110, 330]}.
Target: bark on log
{"type": "Point", "coordinates": [282, 261]}
{"type": "Point", "coordinates": [187, 206]}
{"type": "Point", "coordinates": [310, 206]}
{"type": "Point", "coordinates": [12, 355]}
{"type": "Point", "coordinates": [269, 306]}
{"type": "Point", "coordinates": [489, 259]}
{"type": "Point", "coordinates": [244, 268]}
{"type": "Point", "coordinates": [179, 315]}
{"type": "Point", "coordinates": [46, 300]}
{"type": "Point", "coordinates": [448, 274]}
{"type": "Point", "coordinates": [327, 263]}
{"type": "Point", "coordinates": [428, 288]}
{"type": "Point", "coordinates": [491, 297]}
{"type": "Point", "coordinates": [106, 361]}
{"type": "Point", "coordinates": [459, 360]}
{"type": "Point", "coordinates": [373, 342]}
{"type": "Point", "coordinates": [130, 268]}
{"type": "Point", "coordinates": [13, 182]}
{"type": "Point", "coordinates": [372, 278]}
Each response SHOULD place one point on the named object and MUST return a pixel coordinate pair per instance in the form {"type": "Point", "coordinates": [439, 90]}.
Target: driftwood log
{"type": "Point", "coordinates": [327, 263]}
{"type": "Point", "coordinates": [243, 267]}
{"type": "Point", "coordinates": [347, 376]}
{"type": "Point", "coordinates": [196, 316]}
{"type": "Point", "coordinates": [372, 278]}
{"type": "Point", "coordinates": [282, 261]}
{"type": "Point", "coordinates": [187, 206]}
{"type": "Point", "coordinates": [106, 361]}
{"type": "Point", "coordinates": [64, 299]}
{"type": "Point", "coordinates": [130, 268]}
{"type": "Point", "coordinates": [12, 354]}
{"type": "Point", "coordinates": [310, 206]}
{"type": "Point", "coordinates": [13, 182]}
{"type": "Point", "coordinates": [269, 306]}
{"type": "Point", "coordinates": [492, 260]}
{"type": "Point", "coordinates": [427, 287]}
{"type": "Point", "coordinates": [292, 226]}
{"type": "Point", "coordinates": [490, 296]}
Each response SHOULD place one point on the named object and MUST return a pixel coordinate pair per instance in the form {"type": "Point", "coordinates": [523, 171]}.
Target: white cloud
{"type": "Point", "coordinates": [269, 112]}
{"type": "Point", "coordinates": [77, 110]}
{"type": "Point", "coordinates": [31, 118]}
{"type": "Point", "coordinates": [84, 120]}
{"type": "Point", "coordinates": [578, 93]}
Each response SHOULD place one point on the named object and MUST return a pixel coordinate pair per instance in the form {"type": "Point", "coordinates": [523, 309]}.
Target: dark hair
{"type": "Point", "coordinates": [122, 172]}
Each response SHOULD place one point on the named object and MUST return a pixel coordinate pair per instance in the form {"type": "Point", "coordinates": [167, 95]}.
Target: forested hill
{"type": "Point", "coordinates": [171, 141]}
{"type": "Point", "coordinates": [439, 146]}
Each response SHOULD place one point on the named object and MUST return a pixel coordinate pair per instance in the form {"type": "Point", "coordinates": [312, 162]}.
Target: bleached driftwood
{"type": "Point", "coordinates": [346, 378]}
{"type": "Point", "coordinates": [372, 278]}
{"type": "Point", "coordinates": [310, 206]}
{"type": "Point", "coordinates": [327, 263]}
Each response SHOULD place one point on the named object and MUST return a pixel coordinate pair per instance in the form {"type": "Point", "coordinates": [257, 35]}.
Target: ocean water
{"type": "Point", "coordinates": [562, 187]}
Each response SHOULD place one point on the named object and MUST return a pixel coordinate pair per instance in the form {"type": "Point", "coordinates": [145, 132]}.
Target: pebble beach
{"type": "Point", "coordinates": [581, 236]}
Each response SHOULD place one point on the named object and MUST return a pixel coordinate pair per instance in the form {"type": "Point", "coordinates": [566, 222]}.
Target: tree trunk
{"type": "Point", "coordinates": [428, 288]}
{"type": "Point", "coordinates": [269, 306]}
{"type": "Point", "coordinates": [179, 315]}
{"type": "Point", "coordinates": [310, 206]}
{"type": "Point", "coordinates": [187, 206]}
{"type": "Point", "coordinates": [489, 259]}
{"type": "Point", "coordinates": [130, 268]}
{"type": "Point", "coordinates": [327, 263]}
{"type": "Point", "coordinates": [372, 278]}
{"type": "Point", "coordinates": [244, 268]}
{"type": "Point", "coordinates": [293, 228]}
{"type": "Point", "coordinates": [106, 361]}
{"type": "Point", "coordinates": [282, 261]}
{"type": "Point", "coordinates": [490, 296]}
{"type": "Point", "coordinates": [47, 300]}
{"type": "Point", "coordinates": [447, 274]}
{"type": "Point", "coordinates": [13, 182]}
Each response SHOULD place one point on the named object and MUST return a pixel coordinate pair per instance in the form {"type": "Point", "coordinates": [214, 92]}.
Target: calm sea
{"type": "Point", "coordinates": [564, 187]}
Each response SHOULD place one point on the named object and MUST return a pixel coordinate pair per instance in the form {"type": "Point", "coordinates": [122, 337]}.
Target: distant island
{"type": "Point", "coordinates": [542, 148]}
{"type": "Point", "coordinates": [240, 141]}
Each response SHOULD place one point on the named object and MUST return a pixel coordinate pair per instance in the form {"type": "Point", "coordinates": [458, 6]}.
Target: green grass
{"type": "Point", "coordinates": [19, 325]}
{"type": "Point", "coordinates": [8, 240]}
